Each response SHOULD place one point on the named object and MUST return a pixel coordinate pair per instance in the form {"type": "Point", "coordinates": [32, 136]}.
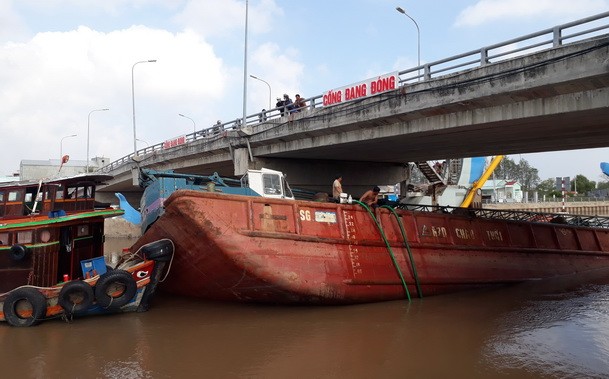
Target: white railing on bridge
{"type": "Point", "coordinates": [545, 39]}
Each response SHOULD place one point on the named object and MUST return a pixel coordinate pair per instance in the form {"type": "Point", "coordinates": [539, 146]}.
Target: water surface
{"type": "Point", "coordinates": [547, 329]}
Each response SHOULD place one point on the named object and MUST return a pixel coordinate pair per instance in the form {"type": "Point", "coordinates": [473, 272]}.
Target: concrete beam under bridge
{"type": "Point", "coordinates": [311, 174]}
{"type": "Point", "coordinates": [556, 99]}
{"type": "Point", "coordinates": [318, 175]}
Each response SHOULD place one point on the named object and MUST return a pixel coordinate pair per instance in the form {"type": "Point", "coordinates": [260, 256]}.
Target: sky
{"type": "Point", "coordinates": [61, 61]}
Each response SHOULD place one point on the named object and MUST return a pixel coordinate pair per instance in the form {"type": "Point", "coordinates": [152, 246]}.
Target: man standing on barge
{"type": "Point", "coordinates": [337, 187]}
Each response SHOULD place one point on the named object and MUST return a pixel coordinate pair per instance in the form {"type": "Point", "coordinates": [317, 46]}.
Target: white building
{"type": "Point", "coordinates": [502, 191]}
{"type": "Point", "coordinates": [37, 169]}
{"type": "Point", "coordinates": [12, 178]}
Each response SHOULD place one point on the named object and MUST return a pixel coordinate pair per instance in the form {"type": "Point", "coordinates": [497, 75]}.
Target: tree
{"type": "Point", "coordinates": [506, 169]}
{"type": "Point", "coordinates": [582, 184]}
{"type": "Point", "coordinates": [522, 171]}
{"type": "Point", "coordinates": [548, 188]}
{"type": "Point", "coordinates": [603, 184]}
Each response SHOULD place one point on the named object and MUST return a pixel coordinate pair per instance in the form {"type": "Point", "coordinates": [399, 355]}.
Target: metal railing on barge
{"type": "Point", "coordinates": [512, 215]}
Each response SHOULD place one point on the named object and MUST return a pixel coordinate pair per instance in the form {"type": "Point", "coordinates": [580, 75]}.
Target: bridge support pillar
{"type": "Point", "coordinates": [241, 161]}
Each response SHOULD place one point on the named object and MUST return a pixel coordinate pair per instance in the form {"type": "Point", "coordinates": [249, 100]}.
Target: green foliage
{"type": "Point", "coordinates": [582, 185]}
{"type": "Point", "coordinates": [603, 185]}
{"type": "Point", "coordinates": [522, 171]}
{"type": "Point", "coordinates": [548, 188]}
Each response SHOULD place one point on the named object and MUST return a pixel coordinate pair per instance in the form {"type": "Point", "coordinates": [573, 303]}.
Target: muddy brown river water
{"type": "Point", "coordinates": [547, 329]}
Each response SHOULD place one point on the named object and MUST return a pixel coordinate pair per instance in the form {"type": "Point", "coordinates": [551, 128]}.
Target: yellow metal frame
{"type": "Point", "coordinates": [480, 182]}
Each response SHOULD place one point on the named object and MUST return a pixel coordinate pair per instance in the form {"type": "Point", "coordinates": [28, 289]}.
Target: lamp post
{"type": "Point", "coordinates": [402, 11]}
{"type": "Point", "coordinates": [88, 129]}
{"type": "Point", "coordinates": [133, 102]}
{"type": "Point", "coordinates": [61, 145]}
{"type": "Point", "coordinates": [245, 68]}
{"type": "Point", "coordinates": [141, 140]}
{"type": "Point", "coordinates": [264, 81]}
{"type": "Point", "coordinates": [194, 126]}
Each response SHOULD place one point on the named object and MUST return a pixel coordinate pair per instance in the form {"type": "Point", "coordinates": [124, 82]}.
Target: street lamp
{"type": "Point", "coordinates": [61, 145]}
{"type": "Point", "coordinates": [418, 39]}
{"type": "Point", "coordinates": [194, 126]}
{"type": "Point", "coordinates": [88, 129]}
{"type": "Point", "coordinates": [141, 140]}
{"type": "Point", "coordinates": [245, 68]}
{"type": "Point", "coordinates": [264, 81]}
{"type": "Point", "coordinates": [133, 102]}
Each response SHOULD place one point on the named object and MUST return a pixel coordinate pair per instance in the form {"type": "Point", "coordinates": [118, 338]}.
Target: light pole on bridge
{"type": "Point", "coordinates": [133, 102]}
{"type": "Point", "coordinates": [61, 145]}
{"type": "Point", "coordinates": [243, 122]}
{"type": "Point", "coordinates": [88, 129]}
{"type": "Point", "coordinates": [194, 125]}
{"type": "Point", "coordinates": [141, 140]}
{"type": "Point", "coordinates": [402, 11]}
{"type": "Point", "coordinates": [267, 83]}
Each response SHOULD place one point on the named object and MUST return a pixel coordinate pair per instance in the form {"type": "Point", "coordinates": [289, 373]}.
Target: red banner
{"type": "Point", "coordinates": [174, 142]}
{"type": "Point", "coordinates": [366, 88]}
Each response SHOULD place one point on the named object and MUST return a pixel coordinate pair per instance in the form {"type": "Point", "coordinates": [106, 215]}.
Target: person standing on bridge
{"type": "Point", "coordinates": [337, 187]}
{"type": "Point", "coordinates": [280, 106]}
{"type": "Point", "coordinates": [288, 105]}
{"type": "Point", "coordinates": [299, 103]}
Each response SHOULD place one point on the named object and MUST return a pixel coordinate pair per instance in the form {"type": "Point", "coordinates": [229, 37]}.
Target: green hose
{"type": "Point", "coordinates": [412, 264]}
{"type": "Point", "coordinates": [395, 263]}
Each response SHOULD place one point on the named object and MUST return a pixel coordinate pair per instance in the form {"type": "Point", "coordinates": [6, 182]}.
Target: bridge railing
{"type": "Point", "coordinates": [548, 38]}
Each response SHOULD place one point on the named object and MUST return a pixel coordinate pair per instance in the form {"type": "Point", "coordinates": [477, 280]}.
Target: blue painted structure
{"type": "Point", "coordinates": [605, 168]}
{"type": "Point", "coordinates": [478, 164]}
{"type": "Point", "coordinates": [131, 214]}
{"type": "Point", "coordinates": [159, 185]}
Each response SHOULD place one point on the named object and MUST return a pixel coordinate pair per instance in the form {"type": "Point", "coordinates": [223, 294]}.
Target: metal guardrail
{"type": "Point", "coordinates": [545, 39]}
{"type": "Point", "coordinates": [513, 215]}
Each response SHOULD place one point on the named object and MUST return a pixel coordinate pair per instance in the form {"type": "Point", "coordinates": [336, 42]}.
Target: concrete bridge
{"type": "Point", "coordinates": [546, 91]}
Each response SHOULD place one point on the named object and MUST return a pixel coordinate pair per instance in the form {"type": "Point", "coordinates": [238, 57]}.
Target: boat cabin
{"type": "Point", "coordinates": [267, 183]}
{"type": "Point", "coordinates": [69, 195]}
{"type": "Point", "coordinates": [38, 243]}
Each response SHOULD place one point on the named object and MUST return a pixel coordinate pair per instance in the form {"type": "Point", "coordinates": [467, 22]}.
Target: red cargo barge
{"type": "Point", "coordinates": [246, 248]}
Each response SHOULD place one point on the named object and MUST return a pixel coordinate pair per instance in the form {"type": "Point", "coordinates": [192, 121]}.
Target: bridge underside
{"type": "Point", "coordinates": [549, 101]}
{"type": "Point", "coordinates": [551, 124]}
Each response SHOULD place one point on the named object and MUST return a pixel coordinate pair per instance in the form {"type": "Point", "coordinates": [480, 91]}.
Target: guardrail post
{"type": "Point", "coordinates": [557, 36]}
{"type": "Point", "coordinates": [426, 72]}
{"type": "Point", "coordinates": [483, 56]}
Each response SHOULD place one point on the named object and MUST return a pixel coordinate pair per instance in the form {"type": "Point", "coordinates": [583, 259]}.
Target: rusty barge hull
{"type": "Point", "coordinates": [240, 248]}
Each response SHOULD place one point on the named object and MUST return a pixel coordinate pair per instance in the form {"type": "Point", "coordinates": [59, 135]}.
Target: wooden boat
{"type": "Point", "coordinates": [127, 287]}
{"type": "Point", "coordinates": [251, 248]}
{"type": "Point", "coordinates": [48, 230]}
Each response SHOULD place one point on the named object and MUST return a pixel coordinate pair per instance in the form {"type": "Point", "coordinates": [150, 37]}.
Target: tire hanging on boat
{"type": "Point", "coordinates": [24, 306]}
{"type": "Point", "coordinates": [75, 296]}
{"type": "Point", "coordinates": [18, 252]}
{"type": "Point", "coordinates": [115, 289]}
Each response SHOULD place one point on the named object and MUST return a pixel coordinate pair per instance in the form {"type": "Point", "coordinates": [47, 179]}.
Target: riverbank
{"type": "Point", "coordinates": [118, 227]}
{"type": "Point", "coordinates": [588, 208]}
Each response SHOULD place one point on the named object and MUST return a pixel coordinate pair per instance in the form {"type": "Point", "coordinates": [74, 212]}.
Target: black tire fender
{"type": "Point", "coordinates": [19, 252]}
{"type": "Point", "coordinates": [18, 301]}
{"type": "Point", "coordinates": [75, 296]}
{"type": "Point", "coordinates": [111, 282]}
{"type": "Point", "coordinates": [160, 251]}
